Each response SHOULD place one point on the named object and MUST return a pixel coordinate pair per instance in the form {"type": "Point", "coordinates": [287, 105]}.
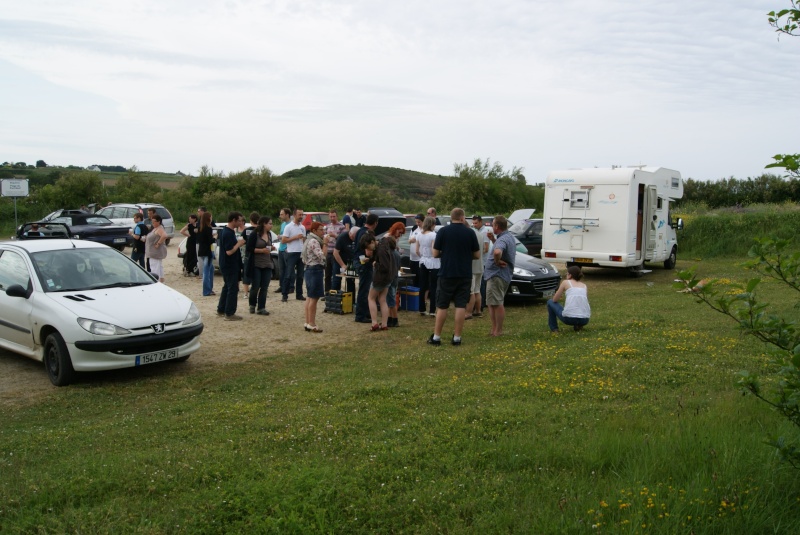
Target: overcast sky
{"type": "Point", "coordinates": [701, 86]}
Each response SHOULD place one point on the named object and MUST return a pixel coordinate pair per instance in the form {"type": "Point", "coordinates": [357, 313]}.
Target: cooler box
{"type": "Point", "coordinates": [409, 298]}
{"type": "Point", "coordinates": [339, 302]}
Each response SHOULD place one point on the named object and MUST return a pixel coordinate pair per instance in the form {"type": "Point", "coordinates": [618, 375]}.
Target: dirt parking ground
{"type": "Point", "coordinates": [22, 379]}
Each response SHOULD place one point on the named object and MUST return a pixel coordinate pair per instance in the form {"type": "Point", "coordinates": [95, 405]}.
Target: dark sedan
{"type": "Point", "coordinates": [533, 278]}
{"type": "Point", "coordinates": [83, 226]}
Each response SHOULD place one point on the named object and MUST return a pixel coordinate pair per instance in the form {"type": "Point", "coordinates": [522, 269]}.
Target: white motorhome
{"type": "Point", "coordinates": [618, 217]}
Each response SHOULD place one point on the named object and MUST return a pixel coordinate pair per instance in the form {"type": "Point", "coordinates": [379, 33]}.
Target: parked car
{"type": "Point", "coordinates": [80, 225]}
{"type": "Point", "coordinates": [276, 272]}
{"type": "Point", "coordinates": [386, 218]}
{"type": "Point", "coordinates": [529, 232]}
{"type": "Point", "coordinates": [122, 214]}
{"type": "Point", "coordinates": [79, 306]}
{"type": "Point", "coordinates": [533, 278]}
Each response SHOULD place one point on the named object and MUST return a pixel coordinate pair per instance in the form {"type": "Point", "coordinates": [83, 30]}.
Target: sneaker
{"type": "Point", "coordinates": [284, 299]}
{"type": "Point", "coordinates": [220, 313]}
{"type": "Point", "coordinates": [262, 312]}
{"type": "Point", "coordinates": [432, 314]}
{"type": "Point", "coordinates": [252, 310]}
{"type": "Point", "coordinates": [233, 317]}
{"type": "Point", "coordinates": [577, 328]}
{"type": "Point", "coordinates": [363, 320]}
{"type": "Point", "coordinates": [301, 298]}
{"type": "Point", "coordinates": [456, 342]}
{"type": "Point", "coordinates": [433, 342]}
{"type": "Point", "coordinates": [277, 291]}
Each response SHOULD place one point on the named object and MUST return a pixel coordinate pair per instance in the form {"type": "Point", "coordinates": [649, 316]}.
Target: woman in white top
{"type": "Point", "coordinates": [576, 310]}
{"type": "Point", "coordinates": [412, 252]}
{"type": "Point", "coordinates": [428, 266]}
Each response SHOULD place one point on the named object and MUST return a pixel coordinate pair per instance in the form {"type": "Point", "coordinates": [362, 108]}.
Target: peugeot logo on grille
{"type": "Point", "coordinates": [158, 328]}
{"type": "Point", "coordinates": [543, 270]}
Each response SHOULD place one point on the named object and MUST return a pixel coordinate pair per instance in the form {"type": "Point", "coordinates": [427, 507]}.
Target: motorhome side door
{"type": "Point", "coordinates": [650, 221]}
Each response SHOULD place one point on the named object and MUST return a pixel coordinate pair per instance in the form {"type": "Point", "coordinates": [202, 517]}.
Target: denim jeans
{"type": "Point", "coordinates": [208, 274]}
{"type": "Point", "coordinates": [362, 299]}
{"type": "Point", "coordinates": [428, 281]}
{"type": "Point", "coordinates": [228, 297]}
{"type": "Point", "coordinates": [283, 272]}
{"type": "Point", "coordinates": [555, 312]}
{"type": "Point", "coordinates": [294, 269]}
{"type": "Point", "coordinates": [259, 285]}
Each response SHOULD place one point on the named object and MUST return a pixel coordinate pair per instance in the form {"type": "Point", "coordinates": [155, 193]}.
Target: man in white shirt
{"type": "Point", "coordinates": [475, 299]}
{"type": "Point", "coordinates": [293, 236]}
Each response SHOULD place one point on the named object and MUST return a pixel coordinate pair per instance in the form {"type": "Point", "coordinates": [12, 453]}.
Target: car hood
{"type": "Point", "coordinates": [130, 308]}
{"type": "Point", "coordinates": [531, 263]}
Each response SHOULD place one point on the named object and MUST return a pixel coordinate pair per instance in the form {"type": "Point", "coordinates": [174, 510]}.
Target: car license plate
{"type": "Point", "coordinates": [156, 356]}
{"type": "Point", "coordinates": [583, 260]}
{"type": "Point", "coordinates": [119, 240]}
{"type": "Point", "coordinates": [548, 293]}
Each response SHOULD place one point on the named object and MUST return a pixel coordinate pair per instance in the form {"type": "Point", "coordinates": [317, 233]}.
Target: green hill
{"type": "Point", "coordinates": [401, 182]}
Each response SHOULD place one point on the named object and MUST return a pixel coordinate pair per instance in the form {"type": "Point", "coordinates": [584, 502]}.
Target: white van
{"type": "Point", "coordinates": [618, 217]}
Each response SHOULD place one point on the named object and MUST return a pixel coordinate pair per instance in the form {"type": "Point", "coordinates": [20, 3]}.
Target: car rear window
{"type": "Point", "coordinates": [163, 212]}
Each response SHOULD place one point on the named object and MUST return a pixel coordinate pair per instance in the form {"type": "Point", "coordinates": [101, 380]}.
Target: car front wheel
{"type": "Point", "coordinates": [57, 361]}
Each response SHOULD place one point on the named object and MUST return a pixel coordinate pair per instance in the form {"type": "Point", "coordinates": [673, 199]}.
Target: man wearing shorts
{"type": "Point", "coordinates": [497, 272]}
{"type": "Point", "coordinates": [456, 246]}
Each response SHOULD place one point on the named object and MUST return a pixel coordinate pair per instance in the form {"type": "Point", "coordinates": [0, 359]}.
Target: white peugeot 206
{"type": "Point", "coordinates": [82, 306]}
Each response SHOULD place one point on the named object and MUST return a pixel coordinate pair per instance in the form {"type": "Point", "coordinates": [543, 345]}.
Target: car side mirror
{"type": "Point", "coordinates": [16, 290]}
{"type": "Point", "coordinates": [680, 223]}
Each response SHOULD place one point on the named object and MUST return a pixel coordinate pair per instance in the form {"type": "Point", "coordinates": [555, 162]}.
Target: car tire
{"type": "Point", "coordinates": [57, 361]}
{"type": "Point", "coordinates": [669, 263]}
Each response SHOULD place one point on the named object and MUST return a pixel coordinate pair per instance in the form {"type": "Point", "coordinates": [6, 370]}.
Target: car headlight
{"type": "Point", "coordinates": [102, 328]}
{"type": "Point", "coordinates": [523, 272]}
{"type": "Point", "coordinates": [192, 316]}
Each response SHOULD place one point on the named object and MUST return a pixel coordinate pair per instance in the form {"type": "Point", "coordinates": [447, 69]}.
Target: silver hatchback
{"type": "Point", "coordinates": [122, 214]}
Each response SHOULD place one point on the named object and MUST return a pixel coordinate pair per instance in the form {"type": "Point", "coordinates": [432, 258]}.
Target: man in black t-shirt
{"type": "Point", "coordinates": [457, 246]}
{"type": "Point", "coordinates": [343, 255]}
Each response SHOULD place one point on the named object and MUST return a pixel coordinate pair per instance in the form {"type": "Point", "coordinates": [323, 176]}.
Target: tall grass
{"type": "Point", "coordinates": [730, 232]}
{"type": "Point", "coordinates": [631, 426]}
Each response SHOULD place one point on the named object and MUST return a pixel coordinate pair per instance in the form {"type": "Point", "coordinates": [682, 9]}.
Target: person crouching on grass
{"type": "Point", "coordinates": [576, 310]}
{"type": "Point", "coordinates": [315, 250]}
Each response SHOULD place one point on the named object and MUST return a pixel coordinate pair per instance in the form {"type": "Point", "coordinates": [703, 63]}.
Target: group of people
{"type": "Point", "coordinates": [149, 243]}
{"type": "Point", "coordinates": [469, 266]}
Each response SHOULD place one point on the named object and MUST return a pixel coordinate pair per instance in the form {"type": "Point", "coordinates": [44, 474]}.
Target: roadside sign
{"type": "Point", "coordinates": [14, 187]}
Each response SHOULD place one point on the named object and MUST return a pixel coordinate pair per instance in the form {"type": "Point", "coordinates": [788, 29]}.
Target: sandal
{"type": "Point", "coordinates": [375, 327]}
{"type": "Point", "coordinates": [384, 327]}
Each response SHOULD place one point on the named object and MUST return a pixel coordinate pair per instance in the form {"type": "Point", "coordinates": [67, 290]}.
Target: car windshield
{"type": "Point", "coordinates": [518, 227]}
{"type": "Point", "coordinates": [68, 270]}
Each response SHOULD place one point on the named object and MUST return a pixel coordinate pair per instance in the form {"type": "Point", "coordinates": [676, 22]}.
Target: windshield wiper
{"type": "Point", "coordinates": [118, 285]}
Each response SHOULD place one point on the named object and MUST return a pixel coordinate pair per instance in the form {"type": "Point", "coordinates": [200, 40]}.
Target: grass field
{"type": "Point", "coordinates": [632, 426]}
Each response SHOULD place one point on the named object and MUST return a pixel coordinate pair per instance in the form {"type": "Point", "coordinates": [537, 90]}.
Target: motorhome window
{"type": "Point", "coordinates": [659, 203]}
{"type": "Point", "coordinates": [676, 183]}
{"type": "Point", "coordinates": [579, 199]}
